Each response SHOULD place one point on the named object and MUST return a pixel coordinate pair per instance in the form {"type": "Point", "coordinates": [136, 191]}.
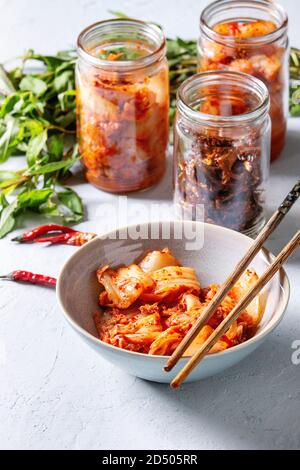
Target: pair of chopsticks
{"type": "Point", "coordinates": [269, 228]}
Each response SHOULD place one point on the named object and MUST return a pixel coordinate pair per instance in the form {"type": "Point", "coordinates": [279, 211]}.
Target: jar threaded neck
{"type": "Point", "coordinates": [123, 31]}
{"type": "Point", "coordinates": [234, 10]}
{"type": "Point", "coordinates": [195, 87]}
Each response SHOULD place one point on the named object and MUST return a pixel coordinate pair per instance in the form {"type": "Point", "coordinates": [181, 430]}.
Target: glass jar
{"type": "Point", "coordinates": [250, 37]}
{"type": "Point", "coordinates": [122, 104]}
{"type": "Point", "coordinates": [222, 150]}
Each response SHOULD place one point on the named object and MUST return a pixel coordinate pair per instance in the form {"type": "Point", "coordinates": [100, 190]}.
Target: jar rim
{"type": "Point", "coordinates": [262, 5]}
{"type": "Point", "coordinates": [243, 80]}
{"type": "Point", "coordinates": [148, 28]}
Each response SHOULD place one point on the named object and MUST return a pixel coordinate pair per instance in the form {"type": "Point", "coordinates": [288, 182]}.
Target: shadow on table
{"type": "Point", "coordinates": [287, 166]}
{"type": "Point", "coordinates": [284, 232]}
{"type": "Point", "coordinates": [255, 404]}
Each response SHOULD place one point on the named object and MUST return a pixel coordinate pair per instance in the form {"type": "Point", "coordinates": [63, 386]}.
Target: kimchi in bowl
{"type": "Point", "coordinates": [212, 253]}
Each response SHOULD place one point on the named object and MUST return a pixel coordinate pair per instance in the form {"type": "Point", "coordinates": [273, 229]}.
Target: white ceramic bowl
{"type": "Point", "coordinates": [77, 291]}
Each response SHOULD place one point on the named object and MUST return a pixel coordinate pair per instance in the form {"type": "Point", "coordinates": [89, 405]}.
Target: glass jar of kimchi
{"type": "Point", "coordinates": [222, 150]}
{"type": "Point", "coordinates": [122, 104]}
{"type": "Point", "coordinates": [250, 37]}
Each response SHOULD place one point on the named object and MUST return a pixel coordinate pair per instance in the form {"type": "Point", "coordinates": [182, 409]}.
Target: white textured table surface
{"type": "Point", "coordinates": [57, 393]}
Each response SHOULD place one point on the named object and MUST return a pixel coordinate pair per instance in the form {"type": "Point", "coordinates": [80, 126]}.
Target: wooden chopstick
{"type": "Point", "coordinates": [236, 311]}
{"type": "Point", "coordinates": [269, 228]}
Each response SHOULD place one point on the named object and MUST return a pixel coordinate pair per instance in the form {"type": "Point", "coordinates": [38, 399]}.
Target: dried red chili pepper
{"type": "Point", "coordinates": [55, 234]}
{"type": "Point", "coordinates": [31, 235]}
{"type": "Point", "coordinates": [28, 277]}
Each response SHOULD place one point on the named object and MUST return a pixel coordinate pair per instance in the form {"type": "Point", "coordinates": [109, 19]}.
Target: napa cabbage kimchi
{"type": "Point", "coordinates": [149, 306]}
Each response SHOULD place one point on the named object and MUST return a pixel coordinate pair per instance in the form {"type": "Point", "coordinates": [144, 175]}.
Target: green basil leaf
{"type": "Point", "coordinates": [9, 104]}
{"type": "Point", "coordinates": [7, 143]}
{"type": "Point", "coordinates": [3, 202]}
{"type": "Point", "coordinates": [33, 126]}
{"type": "Point", "coordinates": [30, 83]}
{"type": "Point", "coordinates": [65, 120]}
{"type": "Point", "coordinates": [73, 203]}
{"type": "Point", "coordinates": [296, 97]}
{"type": "Point", "coordinates": [7, 219]}
{"type": "Point", "coordinates": [51, 167]}
{"type": "Point", "coordinates": [67, 65]}
{"type": "Point", "coordinates": [67, 56]}
{"type": "Point", "coordinates": [51, 62]}
{"type": "Point", "coordinates": [295, 110]}
{"type": "Point", "coordinates": [35, 147]}
{"type": "Point", "coordinates": [55, 145]}
{"type": "Point", "coordinates": [6, 86]}
{"type": "Point", "coordinates": [7, 175]}
{"type": "Point", "coordinates": [118, 14]}
{"type": "Point", "coordinates": [33, 199]}
{"type": "Point", "coordinates": [66, 99]}
{"type": "Point", "coordinates": [34, 108]}
{"type": "Point", "coordinates": [50, 208]}
{"type": "Point", "coordinates": [64, 81]}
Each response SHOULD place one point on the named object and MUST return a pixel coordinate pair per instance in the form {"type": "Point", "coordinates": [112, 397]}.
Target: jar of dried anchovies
{"type": "Point", "coordinates": [222, 139]}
